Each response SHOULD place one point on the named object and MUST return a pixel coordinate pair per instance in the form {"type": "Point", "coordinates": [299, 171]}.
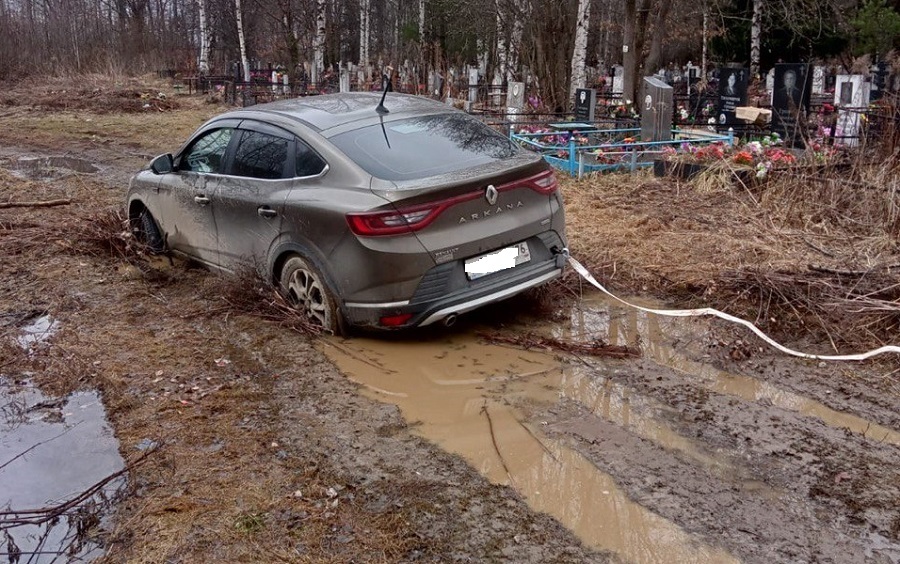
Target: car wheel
{"type": "Point", "coordinates": [305, 288]}
{"type": "Point", "coordinates": [147, 232]}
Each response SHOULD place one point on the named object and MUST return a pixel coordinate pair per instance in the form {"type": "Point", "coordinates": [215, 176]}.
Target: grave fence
{"type": "Point", "coordinates": [582, 148]}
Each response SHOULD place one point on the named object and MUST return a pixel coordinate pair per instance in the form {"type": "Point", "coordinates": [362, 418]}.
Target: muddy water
{"type": "Point", "coordinates": [463, 393]}
{"type": "Point", "coordinates": [52, 449]}
{"type": "Point", "coordinates": [655, 334]}
{"type": "Point", "coordinates": [36, 332]}
{"type": "Point", "coordinates": [50, 168]}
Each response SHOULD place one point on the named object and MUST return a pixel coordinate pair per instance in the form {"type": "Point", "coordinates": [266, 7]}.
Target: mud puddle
{"type": "Point", "coordinates": [51, 451]}
{"type": "Point", "coordinates": [597, 317]}
{"type": "Point", "coordinates": [462, 394]}
{"type": "Point", "coordinates": [469, 397]}
{"type": "Point", "coordinates": [36, 331]}
{"type": "Point", "coordinates": [49, 167]}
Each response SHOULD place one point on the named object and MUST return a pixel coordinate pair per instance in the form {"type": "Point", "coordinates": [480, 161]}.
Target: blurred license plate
{"type": "Point", "coordinates": [503, 259]}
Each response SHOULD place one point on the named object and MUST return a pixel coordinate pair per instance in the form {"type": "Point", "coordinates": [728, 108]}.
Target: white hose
{"type": "Point", "coordinates": [710, 311]}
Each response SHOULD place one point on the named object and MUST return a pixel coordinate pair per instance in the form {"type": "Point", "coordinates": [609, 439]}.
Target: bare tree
{"type": "Point", "coordinates": [203, 65]}
{"type": "Point", "coordinates": [245, 62]}
{"type": "Point", "coordinates": [364, 35]}
{"type": "Point", "coordinates": [583, 23]}
{"type": "Point", "coordinates": [319, 41]}
{"type": "Point", "coordinates": [755, 35]}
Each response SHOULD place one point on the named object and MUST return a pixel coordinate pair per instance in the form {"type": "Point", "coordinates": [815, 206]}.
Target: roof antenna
{"type": "Point", "coordinates": [386, 81]}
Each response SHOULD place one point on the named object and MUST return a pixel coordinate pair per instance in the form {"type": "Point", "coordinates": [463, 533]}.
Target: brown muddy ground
{"type": "Point", "coordinates": [276, 446]}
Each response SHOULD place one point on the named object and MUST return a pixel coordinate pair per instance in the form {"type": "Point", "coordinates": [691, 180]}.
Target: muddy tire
{"type": "Point", "coordinates": [306, 290]}
{"type": "Point", "coordinates": [147, 232]}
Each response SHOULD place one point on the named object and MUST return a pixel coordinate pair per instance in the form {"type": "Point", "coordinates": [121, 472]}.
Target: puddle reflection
{"type": "Point", "coordinates": [50, 451]}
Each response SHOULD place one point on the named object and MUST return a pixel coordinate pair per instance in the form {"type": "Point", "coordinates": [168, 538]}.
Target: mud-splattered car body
{"type": "Point", "coordinates": [388, 213]}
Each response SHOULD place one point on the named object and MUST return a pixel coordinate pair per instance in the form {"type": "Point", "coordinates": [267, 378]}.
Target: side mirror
{"type": "Point", "coordinates": [162, 164]}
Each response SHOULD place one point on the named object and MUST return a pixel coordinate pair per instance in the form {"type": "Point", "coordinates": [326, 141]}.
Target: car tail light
{"type": "Point", "coordinates": [404, 220]}
{"type": "Point", "coordinates": [544, 183]}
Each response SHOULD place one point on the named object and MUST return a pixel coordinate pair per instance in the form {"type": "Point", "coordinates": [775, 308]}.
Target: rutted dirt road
{"type": "Point", "coordinates": [275, 446]}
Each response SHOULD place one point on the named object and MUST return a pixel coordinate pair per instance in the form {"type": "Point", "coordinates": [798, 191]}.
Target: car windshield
{"type": "Point", "coordinates": [423, 146]}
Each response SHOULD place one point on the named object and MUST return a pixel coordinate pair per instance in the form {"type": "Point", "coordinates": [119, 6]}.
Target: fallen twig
{"type": "Point", "coordinates": [487, 414]}
{"type": "Point", "coordinates": [43, 204]}
{"type": "Point", "coordinates": [17, 518]}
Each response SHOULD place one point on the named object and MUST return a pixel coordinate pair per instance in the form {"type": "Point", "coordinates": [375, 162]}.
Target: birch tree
{"type": "Point", "coordinates": [755, 34]}
{"type": "Point", "coordinates": [245, 62]}
{"type": "Point", "coordinates": [421, 21]}
{"type": "Point", "coordinates": [364, 35]}
{"type": "Point", "coordinates": [579, 54]}
{"type": "Point", "coordinates": [319, 41]}
{"type": "Point", "coordinates": [203, 65]}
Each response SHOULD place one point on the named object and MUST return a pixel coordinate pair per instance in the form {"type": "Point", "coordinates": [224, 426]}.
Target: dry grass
{"type": "Point", "coordinates": [101, 110]}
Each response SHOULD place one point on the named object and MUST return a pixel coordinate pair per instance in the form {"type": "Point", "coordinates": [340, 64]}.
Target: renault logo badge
{"type": "Point", "coordinates": [490, 194]}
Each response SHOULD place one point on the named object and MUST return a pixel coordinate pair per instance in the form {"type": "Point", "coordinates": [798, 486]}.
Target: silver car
{"type": "Point", "coordinates": [385, 216]}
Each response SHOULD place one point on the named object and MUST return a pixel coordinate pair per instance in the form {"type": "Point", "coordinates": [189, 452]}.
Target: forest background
{"type": "Point", "coordinates": [556, 45]}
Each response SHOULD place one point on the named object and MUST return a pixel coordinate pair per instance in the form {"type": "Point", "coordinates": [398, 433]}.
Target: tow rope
{"type": "Point", "coordinates": [722, 315]}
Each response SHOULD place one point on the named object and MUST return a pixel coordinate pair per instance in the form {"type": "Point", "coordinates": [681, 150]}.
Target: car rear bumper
{"type": "Point", "coordinates": [445, 293]}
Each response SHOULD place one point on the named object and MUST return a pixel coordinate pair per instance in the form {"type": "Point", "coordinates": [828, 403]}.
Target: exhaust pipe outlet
{"type": "Point", "coordinates": [450, 320]}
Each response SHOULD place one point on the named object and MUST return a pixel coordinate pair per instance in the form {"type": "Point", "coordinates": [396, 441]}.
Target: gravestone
{"type": "Point", "coordinates": [515, 99]}
{"type": "Point", "coordinates": [880, 72]}
{"type": "Point", "coordinates": [818, 80]}
{"type": "Point", "coordinates": [473, 84]}
{"type": "Point", "coordinates": [732, 93]}
{"type": "Point", "coordinates": [851, 96]}
{"type": "Point", "coordinates": [585, 104]}
{"type": "Point", "coordinates": [345, 80]}
{"type": "Point", "coordinates": [657, 99]}
{"type": "Point", "coordinates": [692, 74]}
{"type": "Point", "coordinates": [790, 101]}
{"type": "Point", "coordinates": [515, 95]}
{"type": "Point", "coordinates": [618, 82]}
{"type": "Point", "coordinates": [435, 84]}
{"type": "Point", "coordinates": [770, 82]}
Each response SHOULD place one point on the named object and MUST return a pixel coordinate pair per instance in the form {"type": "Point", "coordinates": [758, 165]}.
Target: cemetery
{"type": "Point", "coordinates": [737, 157]}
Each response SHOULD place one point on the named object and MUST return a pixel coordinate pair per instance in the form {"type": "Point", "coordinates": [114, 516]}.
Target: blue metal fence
{"type": "Point", "coordinates": [606, 149]}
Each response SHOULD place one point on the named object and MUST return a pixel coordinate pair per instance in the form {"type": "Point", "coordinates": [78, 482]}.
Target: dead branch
{"type": "Point", "coordinates": [44, 204]}
{"type": "Point", "coordinates": [17, 518]}
{"type": "Point", "coordinates": [487, 414]}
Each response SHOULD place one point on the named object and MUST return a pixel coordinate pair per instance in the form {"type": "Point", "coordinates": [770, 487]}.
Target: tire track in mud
{"type": "Point", "coordinates": [780, 502]}
{"type": "Point", "coordinates": [767, 474]}
{"type": "Point", "coordinates": [803, 482]}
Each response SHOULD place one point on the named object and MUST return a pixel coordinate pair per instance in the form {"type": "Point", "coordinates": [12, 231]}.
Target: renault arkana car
{"type": "Point", "coordinates": [393, 216]}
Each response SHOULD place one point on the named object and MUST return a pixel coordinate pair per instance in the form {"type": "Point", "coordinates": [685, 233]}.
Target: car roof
{"type": "Point", "coordinates": [328, 111]}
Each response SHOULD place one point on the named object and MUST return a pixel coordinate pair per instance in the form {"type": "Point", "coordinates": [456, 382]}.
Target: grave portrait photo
{"type": "Point", "coordinates": [790, 100]}
{"type": "Point", "coordinates": [732, 93]}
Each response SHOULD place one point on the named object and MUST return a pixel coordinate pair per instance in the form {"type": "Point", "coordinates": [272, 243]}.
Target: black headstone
{"type": "Point", "coordinates": [732, 93]}
{"type": "Point", "coordinates": [880, 72]}
{"type": "Point", "coordinates": [585, 104]}
{"type": "Point", "coordinates": [657, 99]}
{"type": "Point", "coordinates": [790, 101]}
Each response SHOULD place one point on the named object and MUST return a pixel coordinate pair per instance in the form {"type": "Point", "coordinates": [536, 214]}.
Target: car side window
{"type": "Point", "coordinates": [307, 161]}
{"type": "Point", "coordinates": [259, 155]}
{"type": "Point", "coordinates": [207, 154]}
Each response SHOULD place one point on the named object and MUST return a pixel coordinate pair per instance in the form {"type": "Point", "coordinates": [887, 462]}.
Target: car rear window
{"type": "Point", "coordinates": [423, 146]}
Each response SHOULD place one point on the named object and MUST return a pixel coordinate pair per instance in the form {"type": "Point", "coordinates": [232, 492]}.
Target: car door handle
{"type": "Point", "coordinates": [266, 211]}
{"type": "Point", "coordinates": [201, 199]}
